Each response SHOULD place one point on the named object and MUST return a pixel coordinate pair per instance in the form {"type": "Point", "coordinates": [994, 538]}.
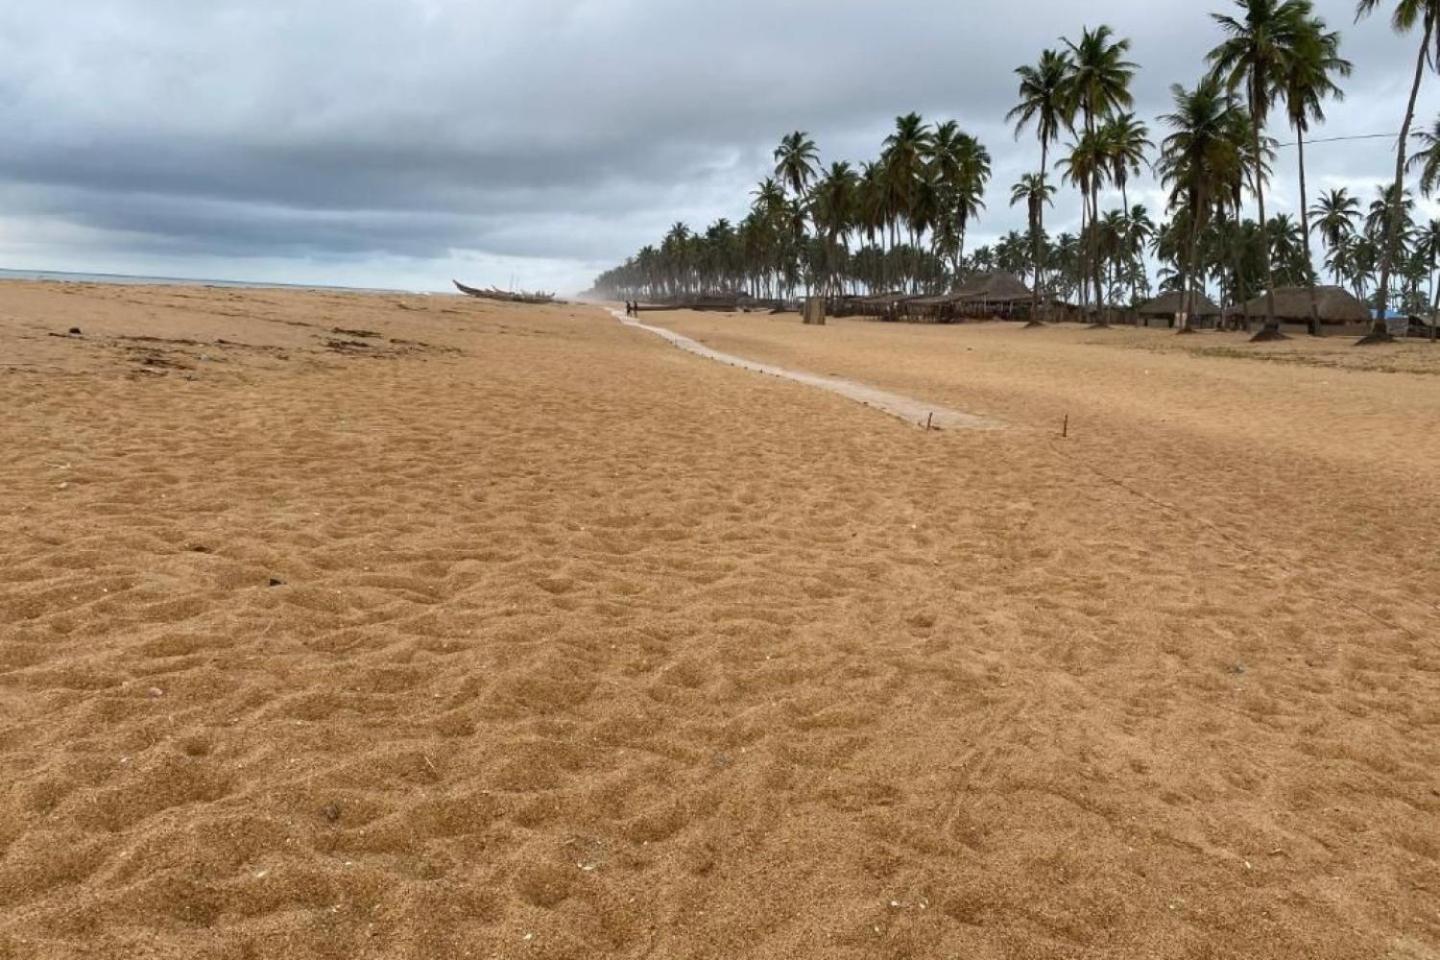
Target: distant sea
{"type": "Point", "coordinates": [59, 276]}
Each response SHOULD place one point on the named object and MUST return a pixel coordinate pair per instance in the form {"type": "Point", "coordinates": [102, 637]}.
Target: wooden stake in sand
{"type": "Point", "coordinates": [929, 420]}
{"type": "Point", "coordinates": [1065, 430]}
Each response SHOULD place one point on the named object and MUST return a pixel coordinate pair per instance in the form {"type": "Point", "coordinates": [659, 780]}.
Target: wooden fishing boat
{"type": "Point", "coordinates": [504, 296]}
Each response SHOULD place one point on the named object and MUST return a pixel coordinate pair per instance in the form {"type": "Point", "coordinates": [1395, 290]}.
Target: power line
{"type": "Point", "coordinates": [1363, 136]}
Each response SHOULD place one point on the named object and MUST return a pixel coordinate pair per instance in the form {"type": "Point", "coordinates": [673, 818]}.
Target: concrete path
{"type": "Point", "coordinates": [915, 412]}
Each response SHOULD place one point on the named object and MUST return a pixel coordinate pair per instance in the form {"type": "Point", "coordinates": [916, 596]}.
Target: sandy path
{"type": "Point", "coordinates": [912, 411]}
{"type": "Point", "coordinates": [506, 632]}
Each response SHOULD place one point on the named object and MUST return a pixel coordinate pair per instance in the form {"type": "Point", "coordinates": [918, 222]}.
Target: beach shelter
{"type": "Point", "coordinates": [938, 309]}
{"type": "Point", "coordinates": [1167, 307]}
{"type": "Point", "coordinates": [1337, 307]}
{"type": "Point", "coordinates": [993, 294]}
{"type": "Point", "coordinates": [883, 305]}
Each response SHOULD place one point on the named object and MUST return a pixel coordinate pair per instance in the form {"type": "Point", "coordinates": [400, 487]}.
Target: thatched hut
{"type": "Point", "coordinates": [1203, 311]}
{"type": "Point", "coordinates": [993, 294]}
{"type": "Point", "coordinates": [1340, 310]}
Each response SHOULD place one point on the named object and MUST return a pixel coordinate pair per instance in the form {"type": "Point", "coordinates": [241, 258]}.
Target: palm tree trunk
{"type": "Point", "coordinates": [1130, 227]}
{"type": "Point", "coordinates": [1188, 301]}
{"type": "Point", "coordinates": [1036, 245]}
{"type": "Point", "coordinates": [1379, 332]}
{"type": "Point", "coordinates": [914, 260]}
{"type": "Point", "coordinates": [1237, 265]}
{"type": "Point", "coordinates": [1096, 265]}
{"type": "Point", "coordinates": [889, 255]}
{"type": "Point", "coordinates": [1434, 298]}
{"type": "Point", "coordinates": [1271, 330]}
{"type": "Point", "coordinates": [1305, 228]}
{"type": "Point", "coordinates": [1241, 281]}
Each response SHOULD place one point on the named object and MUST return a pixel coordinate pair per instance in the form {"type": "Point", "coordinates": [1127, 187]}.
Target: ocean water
{"type": "Point", "coordinates": [57, 276]}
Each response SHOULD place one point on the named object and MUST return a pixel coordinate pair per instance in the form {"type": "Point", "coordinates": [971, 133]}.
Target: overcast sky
{"type": "Point", "coordinates": [400, 143]}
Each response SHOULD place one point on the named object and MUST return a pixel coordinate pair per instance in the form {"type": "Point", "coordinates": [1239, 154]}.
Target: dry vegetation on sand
{"type": "Point", "coordinates": [418, 627]}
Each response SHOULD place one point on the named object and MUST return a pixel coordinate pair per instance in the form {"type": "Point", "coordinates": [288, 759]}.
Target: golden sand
{"type": "Point", "coordinates": [427, 628]}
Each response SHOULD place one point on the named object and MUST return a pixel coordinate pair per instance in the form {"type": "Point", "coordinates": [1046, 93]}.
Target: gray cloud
{"type": "Point", "coordinates": [315, 139]}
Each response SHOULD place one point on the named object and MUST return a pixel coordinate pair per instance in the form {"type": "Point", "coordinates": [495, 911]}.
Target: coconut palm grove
{"type": "Point", "coordinates": [898, 223]}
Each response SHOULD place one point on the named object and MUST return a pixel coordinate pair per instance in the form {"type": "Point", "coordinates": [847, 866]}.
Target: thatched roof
{"type": "Point", "coordinates": [1335, 305]}
{"type": "Point", "coordinates": [1169, 304]}
{"type": "Point", "coordinates": [996, 286]}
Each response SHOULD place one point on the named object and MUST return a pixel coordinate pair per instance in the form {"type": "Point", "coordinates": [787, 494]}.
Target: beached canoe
{"type": "Point", "coordinates": [502, 295]}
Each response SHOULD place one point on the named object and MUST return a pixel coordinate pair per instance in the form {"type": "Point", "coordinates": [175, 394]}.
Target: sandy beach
{"type": "Point", "coordinates": [376, 626]}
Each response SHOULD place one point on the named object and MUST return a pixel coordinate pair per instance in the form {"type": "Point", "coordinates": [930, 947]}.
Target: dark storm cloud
{"type": "Point", "coordinates": [564, 131]}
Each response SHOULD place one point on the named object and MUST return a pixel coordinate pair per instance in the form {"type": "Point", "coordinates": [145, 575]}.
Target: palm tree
{"type": "Point", "coordinates": [1126, 140]}
{"type": "Point", "coordinates": [1198, 162]}
{"type": "Point", "coordinates": [832, 209]}
{"type": "Point", "coordinates": [1237, 243]}
{"type": "Point", "coordinates": [1427, 245]}
{"type": "Point", "coordinates": [1286, 247]}
{"type": "Point", "coordinates": [1353, 263]}
{"type": "Point", "coordinates": [674, 251]}
{"type": "Point", "coordinates": [1428, 159]}
{"type": "Point", "coordinates": [1084, 167]}
{"type": "Point", "coordinates": [1110, 241]}
{"type": "Point", "coordinates": [1407, 14]}
{"type": "Point", "coordinates": [1097, 84]}
{"type": "Point", "coordinates": [872, 207]}
{"type": "Point", "coordinates": [960, 165]}
{"type": "Point", "coordinates": [929, 183]}
{"type": "Point", "coordinates": [1335, 213]}
{"type": "Point", "coordinates": [1256, 54]}
{"type": "Point", "coordinates": [1066, 259]}
{"type": "Point", "coordinates": [1139, 234]}
{"type": "Point", "coordinates": [1043, 90]}
{"type": "Point", "coordinates": [904, 160]}
{"type": "Point", "coordinates": [1418, 270]}
{"type": "Point", "coordinates": [795, 161]}
{"type": "Point", "coordinates": [966, 190]}
{"type": "Point", "coordinates": [1012, 254]}
{"type": "Point", "coordinates": [1386, 213]}
{"type": "Point", "coordinates": [1033, 190]}
{"type": "Point", "coordinates": [1305, 82]}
